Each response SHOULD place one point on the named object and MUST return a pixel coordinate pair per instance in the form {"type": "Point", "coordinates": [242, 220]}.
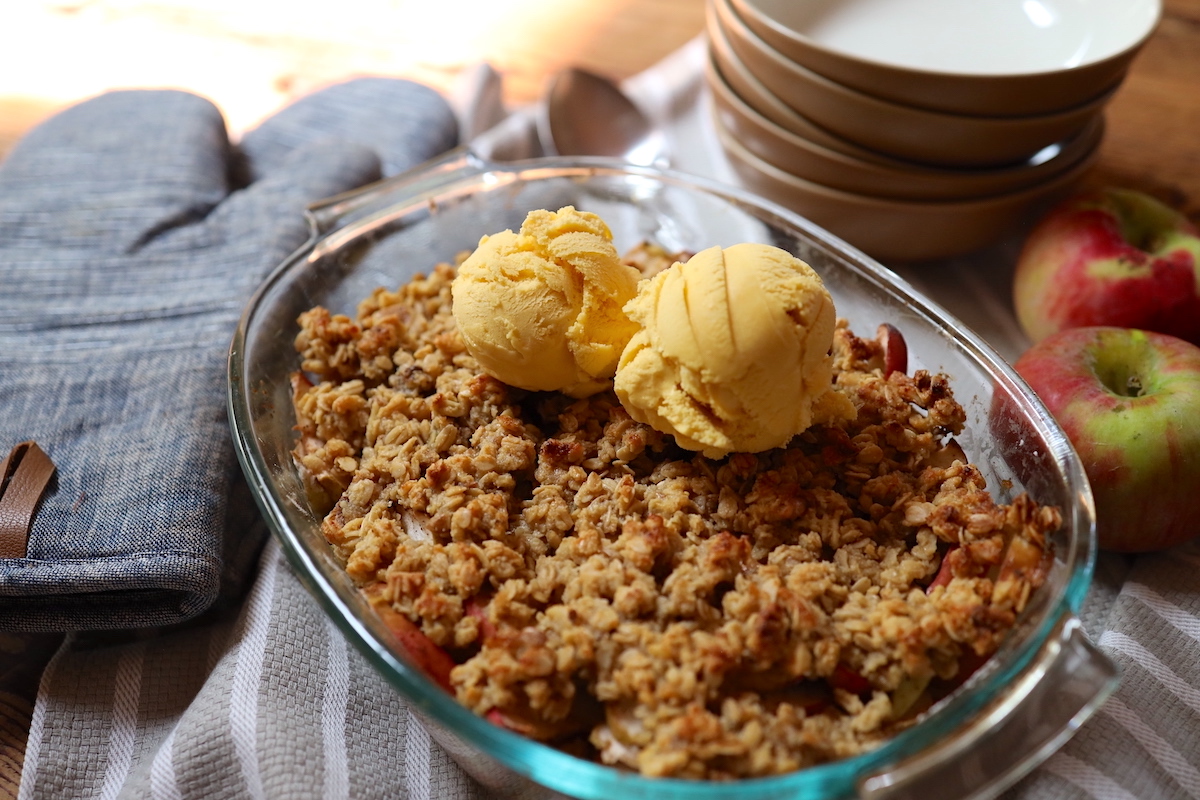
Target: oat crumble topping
{"type": "Point", "coordinates": [577, 577]}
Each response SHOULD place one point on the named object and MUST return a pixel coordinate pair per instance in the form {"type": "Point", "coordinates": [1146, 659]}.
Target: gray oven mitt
{"type": "Point", "coordinates": [131, 236]}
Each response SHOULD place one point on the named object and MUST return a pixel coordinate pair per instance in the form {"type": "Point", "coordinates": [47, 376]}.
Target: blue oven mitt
{"type": "Point", "coordinates": [131, 235]}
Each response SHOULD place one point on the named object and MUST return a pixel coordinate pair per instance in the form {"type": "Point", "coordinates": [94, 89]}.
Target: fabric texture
{"type": "Point", "coordinates": [131, 236]}
{"type": "Point", "coordinates": [268, 703]}
{"type": "Point", "coordinates": [267, 700]}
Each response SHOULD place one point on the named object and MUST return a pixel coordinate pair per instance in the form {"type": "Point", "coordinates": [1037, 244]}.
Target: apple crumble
{"type": "Point", "coordinates": [576, 576]}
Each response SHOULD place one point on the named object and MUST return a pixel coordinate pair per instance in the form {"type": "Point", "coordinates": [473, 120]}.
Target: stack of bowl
{"type": "Point", "coordinates": [917, 129]}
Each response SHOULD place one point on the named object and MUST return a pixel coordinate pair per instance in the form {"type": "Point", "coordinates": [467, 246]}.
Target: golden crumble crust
{"type": "Point", "coordinates": [602, 589]}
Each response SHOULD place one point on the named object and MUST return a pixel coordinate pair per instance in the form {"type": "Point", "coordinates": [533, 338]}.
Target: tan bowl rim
{"type": "Point", "coordinates": [727, 15]}
{"type": "Point", "coordinates": [1072, 150]}
{"type": "Point", "coordinates": [884, 203]}
{"type": "Point", "coordinates": [918, 72]}
{"type": "Point", "coordinates": [718, 41]}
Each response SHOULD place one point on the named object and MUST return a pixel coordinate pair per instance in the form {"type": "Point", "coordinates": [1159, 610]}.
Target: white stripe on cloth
{"type": "Point", "coordinates": [1181, 620]}
{"type": "Point", "coordinates": [220, 639]}
{"type": "Point", "coordinates": [243, 699]}
{"type": "Point", "coordinates": [1086, 777]}
{"type": "Point", "coordinates": [1159, 748]}
{"type": "Point", "coordinates": [37, 723]}
{"type": "Point", "coordinates": [1161, 672]}
{"type": "Point", "coordinates": [163, 783]}
{"type": "Point", "coordinates": [333, 716]}
{"type": "Point", "coordinates": [416, 758]}
{"type": "Point", "coordinates": [123, 735]}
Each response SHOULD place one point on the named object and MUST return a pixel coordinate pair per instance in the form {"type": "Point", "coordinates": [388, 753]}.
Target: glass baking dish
{"type": "Point", "coordinates": [1044, 682]}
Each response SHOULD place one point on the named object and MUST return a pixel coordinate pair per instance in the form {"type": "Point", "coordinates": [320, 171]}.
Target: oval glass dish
{"type": "Point", "coordinates": [1045, 680]}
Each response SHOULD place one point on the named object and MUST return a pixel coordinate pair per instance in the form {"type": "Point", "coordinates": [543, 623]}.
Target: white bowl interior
{"type": "Point", "coordinates": [976, 37]}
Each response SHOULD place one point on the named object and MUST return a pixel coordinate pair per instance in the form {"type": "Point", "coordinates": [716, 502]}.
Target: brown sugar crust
{"type": "Point", "coordinates": [636, 603]}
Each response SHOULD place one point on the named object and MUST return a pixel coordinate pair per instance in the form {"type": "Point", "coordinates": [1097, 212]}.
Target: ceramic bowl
{"type": "Point", "coordinates": [984, 57]}
{"type": "Point", "coordinates": [898, 130]}
{"type": "Point", "coordinates": [815, 162]}
{"type": "Point", "coordinates": [900, 230]}
{"type": "Point", "coordinates": [750, 89]}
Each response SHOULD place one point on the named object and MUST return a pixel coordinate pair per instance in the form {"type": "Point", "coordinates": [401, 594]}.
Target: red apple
{"type": "Point", "coordinates": [1129, 401]}
{"type": "Point", "coordinates": [1110, 257]}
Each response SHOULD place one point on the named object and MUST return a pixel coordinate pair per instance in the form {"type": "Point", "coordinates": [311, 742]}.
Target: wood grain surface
{"type": "Point", "coordinates": [1152, 142]}
{"type": "Point", "coordinates": [1153, 138]}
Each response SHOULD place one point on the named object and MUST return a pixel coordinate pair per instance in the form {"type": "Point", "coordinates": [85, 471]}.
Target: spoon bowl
{"type": "Point", "coordinates": [585, 114]}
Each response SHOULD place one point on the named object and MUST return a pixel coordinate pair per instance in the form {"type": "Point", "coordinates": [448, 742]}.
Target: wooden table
{"type": "Point", "coordinates": [252, 58]}
{"type": "Point", "coordinates": [1152, 143]}
{"type": "Point", "coordinates": [1153, 137]}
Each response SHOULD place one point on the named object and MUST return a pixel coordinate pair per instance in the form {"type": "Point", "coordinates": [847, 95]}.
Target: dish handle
{"type": "Point", "coordinates": [337, 211]}
{"type": "Point", "coordinates": [1065, 685]}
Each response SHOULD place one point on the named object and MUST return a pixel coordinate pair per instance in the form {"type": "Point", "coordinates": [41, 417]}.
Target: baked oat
{"type": "Point", "coordinates": [577, 577]}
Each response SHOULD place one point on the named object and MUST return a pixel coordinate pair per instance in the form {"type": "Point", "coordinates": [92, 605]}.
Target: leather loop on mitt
{"type": "Point", "coordinates": [24, 475]}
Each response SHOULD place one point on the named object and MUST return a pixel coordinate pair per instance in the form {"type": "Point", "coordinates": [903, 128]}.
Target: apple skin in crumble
{"type": "Point", "coordinates": [577, 577]}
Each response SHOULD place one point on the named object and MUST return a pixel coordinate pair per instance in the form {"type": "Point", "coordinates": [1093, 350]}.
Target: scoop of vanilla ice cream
{"type": "Point", "coordinates": [541, 309]}
{"type": "Point", "coordinates": [733, 354]}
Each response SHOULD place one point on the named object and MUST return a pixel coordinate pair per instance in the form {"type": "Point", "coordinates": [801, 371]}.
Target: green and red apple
{"type": "Point", "coordinates": [1110, 257]}
{"type": "Point", "coordinates": [1129, 401]}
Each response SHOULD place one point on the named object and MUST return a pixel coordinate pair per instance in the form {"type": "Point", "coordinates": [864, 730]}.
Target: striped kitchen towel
{"type": "Point", "coordinates": [270, 703]}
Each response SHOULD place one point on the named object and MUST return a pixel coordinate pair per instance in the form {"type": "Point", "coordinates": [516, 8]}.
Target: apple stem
{"type": "Point", "coordinates": [1113, 364]}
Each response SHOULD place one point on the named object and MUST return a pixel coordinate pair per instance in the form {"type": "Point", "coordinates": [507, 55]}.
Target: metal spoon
{"type": "Point", "coordinates": [581, 114]}
{"type": "Point", "coordinates": [588, 115]}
